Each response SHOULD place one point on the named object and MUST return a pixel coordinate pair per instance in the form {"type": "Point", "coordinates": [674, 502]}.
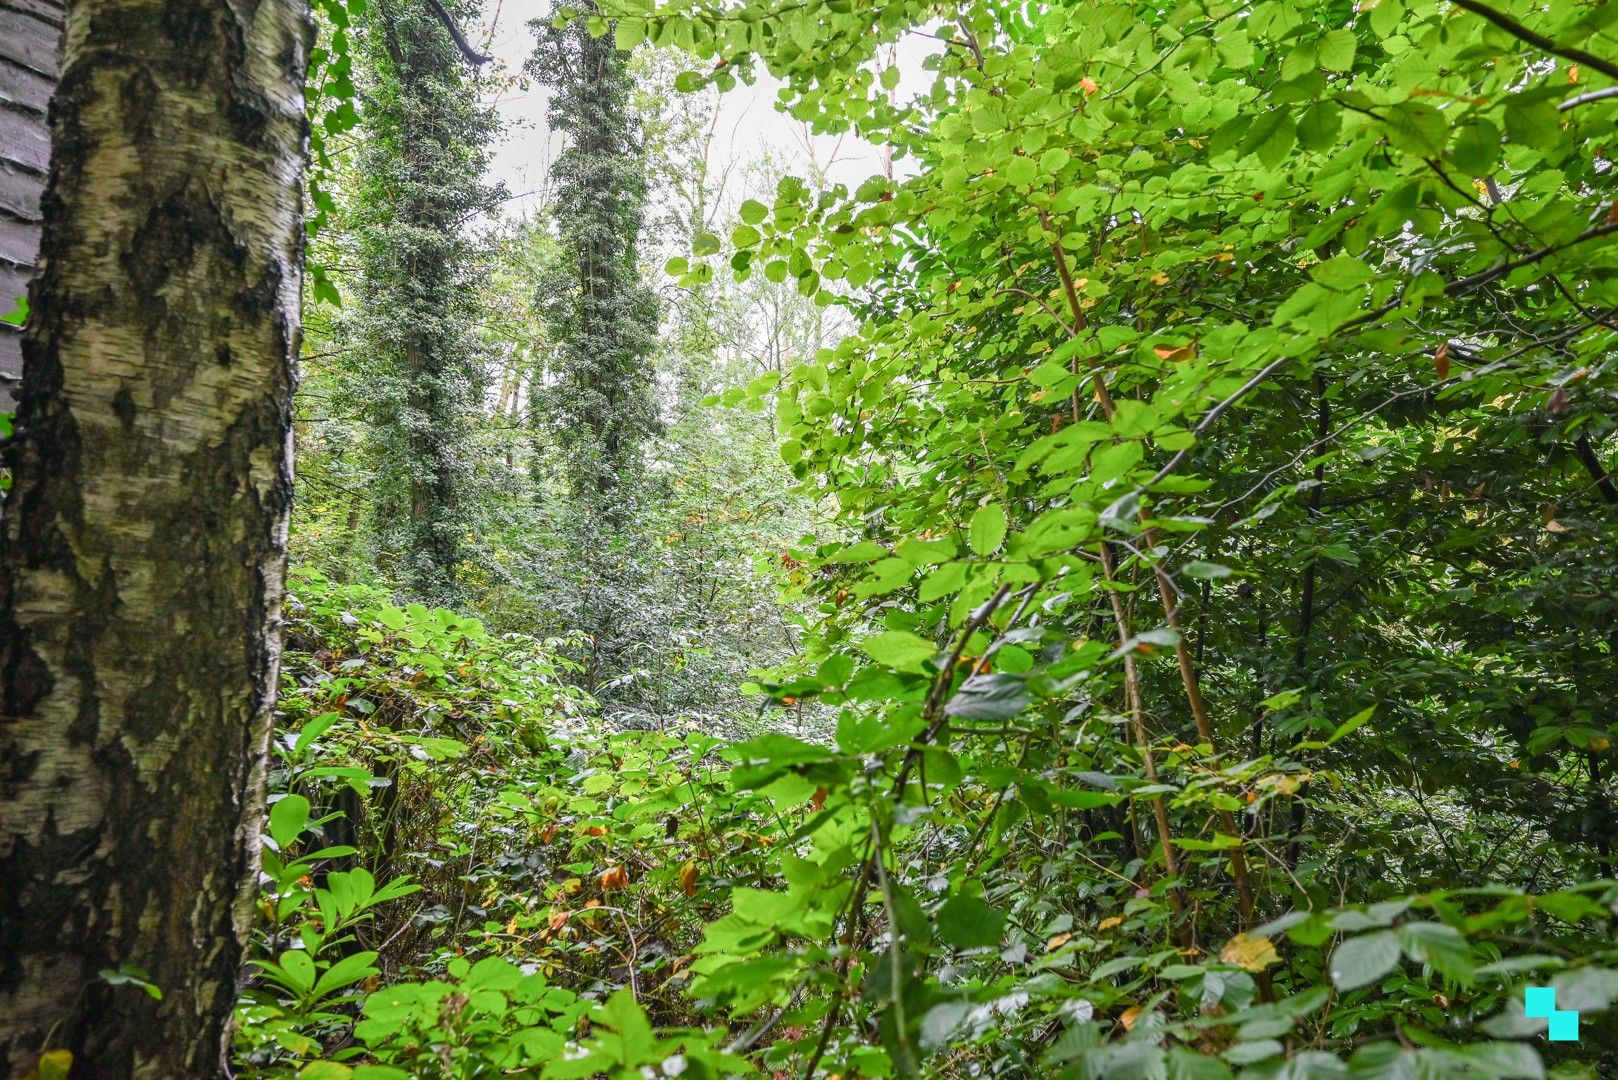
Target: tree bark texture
{"type": "Point", "coordinates": [144, 545]}
{"type": "Point", "coordinates": [30, 41]}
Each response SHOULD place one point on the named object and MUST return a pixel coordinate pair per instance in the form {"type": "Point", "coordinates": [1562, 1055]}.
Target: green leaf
{"type": "Point", "coordinates": [623, 1014]}
{"type": "Point", "coordinates": [18, 314]}
{"type": "Point", "coordinates": [130, 975]}
{"type": "Point", "coordinates": [325, 1070]}
{"type": "Point", "coordinates": [1336, 51]}
{"type": "Point", "coordinates": [989, 697]}
{"type": "Point", "coordinates": [345, 972]}
{"type": "Point", "coordinates": [1352, 724]}
{"type": "Point", "coordinates": [1587, 989]}
{"type": "Point", "coordinates": [940, 1023]}
{"type": "Point", "coordinates": [299, 969]}
{"type": "Point", "coordinates": [899, 649]}
{"type": "Point", "coordinates": [988, 529]}
{"type": "Point", "coordinates": [864, 551]}
{"type": "Point", "coordinates": [1476, 149]}
{"type": "Point", "coordinates": [1364, 959]}
{"type": "Point", "coordinates": [948, 578]}
{"type": "Point", "coordinates": [1416, 128]}
{"type": "Point", "coordinates": [325, 291]}
{"type": "Point", "coordinates": [1319, 124]}
{"type": "Point", "coordinates": [1189, 1065]}
{"type": "Point", "coordinates": [968, 923]}
{"type": "Point", "coordinates": [288, 816]}
{"type": "Point", "coordinates": [628, 33]}
{"type": "Point", "coordinates": [1502, 1060]}
{"type": "Point", "coordinates": [313, 729]}
{"type": "Point", "coordinates": [1439, 946]}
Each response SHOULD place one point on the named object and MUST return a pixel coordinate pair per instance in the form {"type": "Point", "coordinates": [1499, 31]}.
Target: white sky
{"type": "Point", "coordinates": [748, 127]}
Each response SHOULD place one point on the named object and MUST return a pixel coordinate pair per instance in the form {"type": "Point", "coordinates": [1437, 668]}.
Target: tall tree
{"type": "Point", "coordinates": [603, 404]}
{"type": "Point", "coordinates": [599, 401]}
{"type": "Point", "coordinates": [142, 560]}
{"type": "Point", "coordinates": [422, 167]}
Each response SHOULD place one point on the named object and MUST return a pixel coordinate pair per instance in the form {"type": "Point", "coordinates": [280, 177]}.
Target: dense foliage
{"type": "Point", "coordinates": [1126, 593]}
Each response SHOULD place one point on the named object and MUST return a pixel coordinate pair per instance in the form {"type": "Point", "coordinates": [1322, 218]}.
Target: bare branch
{"type": "Point", "coordinates": [473, 57]}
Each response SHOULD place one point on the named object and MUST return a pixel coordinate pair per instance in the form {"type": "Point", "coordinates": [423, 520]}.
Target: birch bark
{"type": "Point", "coordinates": [144, 543]}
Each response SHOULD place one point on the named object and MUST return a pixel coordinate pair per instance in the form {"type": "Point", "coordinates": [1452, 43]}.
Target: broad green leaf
{"type": "Point", "coordinates": [988, 529]}
{"type": "Point", "coordinates": [288, 816]}
{"type": "Point", "coordinates": [1336, 50]}
{"type": "Point", "coordinates": [968, 923]}
{"type": "Point", "coordinates": [899, 649]}
{"type": "Point", "coordinates": [1364, 959]}
{"type": "Point", "coordinates": [989, 697]}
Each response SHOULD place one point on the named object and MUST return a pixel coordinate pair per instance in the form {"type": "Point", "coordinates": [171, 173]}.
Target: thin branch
{"type": "Point", "coordinates": [1587, 97]}
{"type": "Point", "coordinates": [1538, 40]}
{"type": "Point", "coordinates": [473, 57]}
{"type": "Point", "coordinates": [1143, 744]}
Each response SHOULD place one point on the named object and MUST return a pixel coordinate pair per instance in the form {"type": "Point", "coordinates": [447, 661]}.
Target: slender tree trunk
{"type": "Point", "coordinates": [1306, 608]}
{"type": "Point", "coordinates": [142, 562]}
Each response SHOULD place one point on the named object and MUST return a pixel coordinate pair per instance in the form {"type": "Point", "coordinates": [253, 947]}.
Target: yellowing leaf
{"type": "Point", "coordinates": [1250, 952]}
{"type": "Point", "coordinates": [688, 879]}
{"type": "Point", "coordinates": [52, 1065]}
{"type": "Point", "coordinates": [1283, 783]}
{"type": "Point", "coordinates": [1108, 924]}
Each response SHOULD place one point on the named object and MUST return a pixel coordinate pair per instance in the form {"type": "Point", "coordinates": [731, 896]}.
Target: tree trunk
{"type": "Point", "coordinates": [426, 151]}
{"type": "Point", "coordinates": [142, 561]}
{"type": "Point", "coordinates": [30, 39]}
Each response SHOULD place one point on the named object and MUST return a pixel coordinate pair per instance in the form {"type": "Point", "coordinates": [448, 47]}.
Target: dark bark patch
{"type": "Point", "coordinates": [123, 407]}
{"type": "Point", "coordinates": [261, 296]}
{"type": "Point", "coordinates": [141, 95]}
{"type": "Point", "coordinates": [249, 114]}
{"type": "Point", "coordinates": [208, 39]}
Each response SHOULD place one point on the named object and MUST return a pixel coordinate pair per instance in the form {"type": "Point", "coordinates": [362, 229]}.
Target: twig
{"type": "Point", "coordinates": [1538, 40]}
{"type": "Point", "coordinates": [1137, 718]}
{"type": "Point", "coordinates": [1587, 97]}
{"type": "Point", "coordinates": [473, 57]}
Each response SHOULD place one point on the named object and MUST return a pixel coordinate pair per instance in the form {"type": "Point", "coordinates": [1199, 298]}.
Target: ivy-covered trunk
{"type": "Point", "coordinates": [142, 561]}
{"type": "Point", "coordinates": [426, 149]}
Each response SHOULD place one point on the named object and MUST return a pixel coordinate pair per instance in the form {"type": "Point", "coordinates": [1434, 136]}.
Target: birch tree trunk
{"type": "Point", "coordinates": [143, 553]}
